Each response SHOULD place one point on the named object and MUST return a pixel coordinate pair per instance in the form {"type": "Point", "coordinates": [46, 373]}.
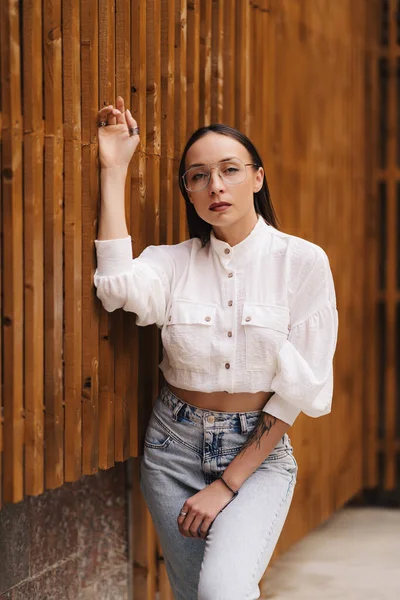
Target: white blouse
{"type": "Point", "coordinates": [258, 316]}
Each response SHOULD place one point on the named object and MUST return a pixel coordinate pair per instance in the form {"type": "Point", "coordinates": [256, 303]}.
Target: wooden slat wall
{"type": "Point", "coordinates": [78, 383]}
{"type": "Point", "coordinates": [382, 448]}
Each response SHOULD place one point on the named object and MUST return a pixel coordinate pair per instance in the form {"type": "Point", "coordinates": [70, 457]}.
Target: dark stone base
{"type": "Point", "coordinates": [69, 543]}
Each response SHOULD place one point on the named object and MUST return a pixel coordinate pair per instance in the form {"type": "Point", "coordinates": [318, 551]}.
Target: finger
{"type": "Point", "coordinates": [121, 107]}
{"type": "Point", "coordinates": [184, 527]}
{"type": "Point", "coordinates": [205, 528]}
{"type": "Point", "coordinates": [195, 526]}
{"type": "Point", "coordinates": [130, 121]}
{"type": "Point", "coordinates": [111, 117]}
{"type": "Point", "coordinates": [103, 113]}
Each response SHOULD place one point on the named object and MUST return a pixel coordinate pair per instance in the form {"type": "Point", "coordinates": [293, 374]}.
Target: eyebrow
{"type": "Point", "coordinates": [204, 164]}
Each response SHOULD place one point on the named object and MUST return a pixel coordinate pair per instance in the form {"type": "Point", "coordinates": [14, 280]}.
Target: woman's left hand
{"type": "Point", "coordinates": [202, 509]}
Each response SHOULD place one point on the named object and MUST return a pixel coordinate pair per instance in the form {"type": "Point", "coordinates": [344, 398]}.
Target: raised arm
{"type": "Point", "coordinates": [140, 285]}
{"type": "Point", "coordinates": [116, 148]}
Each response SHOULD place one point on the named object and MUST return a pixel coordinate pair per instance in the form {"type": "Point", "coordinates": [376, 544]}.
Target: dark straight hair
{"type": "Point", "coordinates": [262, 199]}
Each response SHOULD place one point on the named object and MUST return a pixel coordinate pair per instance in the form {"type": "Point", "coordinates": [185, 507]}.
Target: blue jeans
{"type": "Point", "coordinates": [186, 449]}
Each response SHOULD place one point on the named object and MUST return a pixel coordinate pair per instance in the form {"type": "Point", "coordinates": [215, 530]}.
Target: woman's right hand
{"type": "Point", "coordinates": [116, 145]}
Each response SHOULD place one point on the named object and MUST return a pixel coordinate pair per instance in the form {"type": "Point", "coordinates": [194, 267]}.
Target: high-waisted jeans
{"type": "Point", "coordinates": [186, 449]}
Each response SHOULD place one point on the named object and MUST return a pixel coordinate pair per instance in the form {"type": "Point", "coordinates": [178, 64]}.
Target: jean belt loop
{"type": "Point", "coordinates": [243, 422]}
{"type": "Point", "coordinates": [176, 409]}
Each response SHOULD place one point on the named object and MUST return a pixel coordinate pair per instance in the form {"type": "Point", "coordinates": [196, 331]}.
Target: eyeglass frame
{"type": "Point", "coordinates": [209, 165]}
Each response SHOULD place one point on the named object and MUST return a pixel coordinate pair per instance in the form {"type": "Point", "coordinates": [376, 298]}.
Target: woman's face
{"type": "Point", "coordinates": [236, 201]}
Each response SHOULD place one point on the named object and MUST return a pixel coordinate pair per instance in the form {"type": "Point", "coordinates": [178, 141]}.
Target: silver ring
{"type": "Point", "coordinates": [183, 513]}
{"type": "Point", "coordinates": [102, 123]}
{"type": "Point", "coordinates": [133, 131]}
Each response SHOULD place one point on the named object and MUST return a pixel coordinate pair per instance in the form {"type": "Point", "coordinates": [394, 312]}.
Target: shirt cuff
{"type": "Point", "coordinates": [279, 408]}
{"type": "Point", "coordinates": [114, 256]}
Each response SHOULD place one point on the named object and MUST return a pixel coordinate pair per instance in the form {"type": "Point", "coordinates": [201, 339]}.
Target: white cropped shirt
{"type": "Point", "coordinates": [257, 316]}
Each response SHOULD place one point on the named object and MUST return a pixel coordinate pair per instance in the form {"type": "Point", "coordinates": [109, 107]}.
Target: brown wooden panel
{"type": "Point", "coordinates": [12, 255]}
{"type": "Point", "coordinates": [180, 229]}
{"type": "Point", "coordinates": [168, 114]}
{"type": "Point", "coordinates": [193, 65]}
{"type": "Point", "coordinates": [242, 87]}
{"type": "Point", "coordinates": [123, 323]}
{"type": "Point", "coordinates": [138, 202]}
{"type": "Point", "coordinates": [53, 245]}
{"type": "Point", "coordinates": [1, 291]}
{"type": "Point", "coordinates": [230, 48]}
{"type": "Point", "coordinates": [217, 60]}
{"type": "Point", "coordinates": [90, 190]}
{"type": "Point", "coordinates": [72, 240]}
{"type": "Point", "coordinates": [106, 347]}
{"type": "Point", "coordinates": [205, 62]}
{"type": "Point", "coordinates": [33, 247]}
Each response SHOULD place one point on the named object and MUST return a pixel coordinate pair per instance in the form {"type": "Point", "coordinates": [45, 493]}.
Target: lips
{"type": "Point", "coordinates": [217, 205]}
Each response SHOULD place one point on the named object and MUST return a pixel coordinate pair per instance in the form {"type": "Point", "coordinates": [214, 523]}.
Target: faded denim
{"type": "Point", "coordinates": [186, 449]}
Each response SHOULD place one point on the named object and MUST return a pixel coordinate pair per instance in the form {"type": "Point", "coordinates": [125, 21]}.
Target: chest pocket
{"type": "Point", "coordinates": [266, 330]}
{"type": "Point", "coordinates": [187, 335]}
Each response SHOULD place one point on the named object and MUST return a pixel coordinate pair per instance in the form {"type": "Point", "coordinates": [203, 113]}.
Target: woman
{"type": "Point", "coordinates": [249, 325]}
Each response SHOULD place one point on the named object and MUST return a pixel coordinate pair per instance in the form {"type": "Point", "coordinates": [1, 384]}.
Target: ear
{"type": "Point", "coordinates": [258, 180]}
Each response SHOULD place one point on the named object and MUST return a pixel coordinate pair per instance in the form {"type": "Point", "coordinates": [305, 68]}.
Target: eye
{"type": "Point", "coordinates": [198, 176]}
{"type": "Point", "coordinates": [231, 170]}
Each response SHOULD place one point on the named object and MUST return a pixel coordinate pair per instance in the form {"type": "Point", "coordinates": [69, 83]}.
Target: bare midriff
{"type": "Point", "coordinates": [222, 401]}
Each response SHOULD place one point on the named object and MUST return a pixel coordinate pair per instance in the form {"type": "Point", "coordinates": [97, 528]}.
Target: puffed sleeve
{"type": "Point", "coordinates": [141, 285]}
{"type": "Point", "coordinates": [304, 377]}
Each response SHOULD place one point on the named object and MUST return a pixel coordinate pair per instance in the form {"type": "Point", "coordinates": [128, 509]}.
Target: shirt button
{"type": "Point", "coordinates": [227, 251]}
{"type": "Point", "coordinates": [230, 274]}
{"type": "Point", "coordinates": [211, 419]}
{"type": "Point", "coordinates": [248, 319]}
{"type": "Point", "coordinates": [227, 366]}
{"type": "Point", "coordinates": [230, 302]}
{"type": "Point", "coordinates": [207, 319]}
{"type": "Point", "coordinates": [169, 318]}
{"type": "Point", "coordinates": [229, 333]}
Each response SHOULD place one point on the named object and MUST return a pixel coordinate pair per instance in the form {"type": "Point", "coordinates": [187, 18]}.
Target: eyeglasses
{"type": "Point", "coordinates": [232, 171]}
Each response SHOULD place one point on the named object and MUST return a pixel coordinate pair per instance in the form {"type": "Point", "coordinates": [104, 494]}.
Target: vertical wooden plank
{"type": "Point", "coordinates": [90, 191]}
{"type": "Point", "coordinates": [180, 228]}
{"type": "Point", "coordinates": [193, 65]}
{"type": "Point", "coordinates": [206, 61]}
{"type": "Point", "coordinates": [72, 240]}
{"type": "Point", "coordinates": [242, 87]}
{"type": "Point", "coordinates": [138, 192]}
{"type": "Point", "coordinates": [123, 323]}
{"type": "Point", "coordinates": [106, 332]}
{"type": "Point", "coordinates": [168, 116]}
{"type": "Point", "coordinates": [390, 374]}
{"type": "Point", "coordinates": [12, 254]}
{"type": "Point", "coordinates": [33, 246]}
{"type": "Point", "coordinates": [230, 48]}
{"type": "Point", "coordinates": [53, 243]}
{"type": "Point", "coordinates": [1, 280]}
{"type": "Point", "coordinates": [217, 63]}
{"type": "Point", "coordinates": [371, 121]}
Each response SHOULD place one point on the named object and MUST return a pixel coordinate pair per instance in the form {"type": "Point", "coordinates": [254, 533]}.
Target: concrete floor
{"type": "Point", "coordinates": [353, 556]}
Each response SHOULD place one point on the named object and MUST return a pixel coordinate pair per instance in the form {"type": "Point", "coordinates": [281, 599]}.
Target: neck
{"type": "Point", "coordinates": [237, 232]}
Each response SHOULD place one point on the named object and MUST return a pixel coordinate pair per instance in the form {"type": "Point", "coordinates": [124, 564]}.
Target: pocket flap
{"type": "Point", "coordinates": [266, 315]}
{"type": "Point", "coordinates": [190, 313]}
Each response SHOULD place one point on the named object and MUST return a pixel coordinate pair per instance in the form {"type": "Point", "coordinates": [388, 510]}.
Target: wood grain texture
{"type": "Point", "coordinates": [12, 255]}
{"type": "Point", "coordinates": [72, 241]}
{"type": "Point", "coordinates": [33, 142]}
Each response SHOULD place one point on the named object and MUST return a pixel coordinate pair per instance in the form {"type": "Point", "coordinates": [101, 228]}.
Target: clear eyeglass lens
{"type": "Point", "coordinates": [230, 171]}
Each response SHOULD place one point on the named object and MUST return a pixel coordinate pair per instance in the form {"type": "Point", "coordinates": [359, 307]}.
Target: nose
{"type": "Point", "coordinates": [216, 183]}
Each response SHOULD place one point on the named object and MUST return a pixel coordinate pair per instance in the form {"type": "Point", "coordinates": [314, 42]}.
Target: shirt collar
{"type": "Point", "coordinates": [240, 252]}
